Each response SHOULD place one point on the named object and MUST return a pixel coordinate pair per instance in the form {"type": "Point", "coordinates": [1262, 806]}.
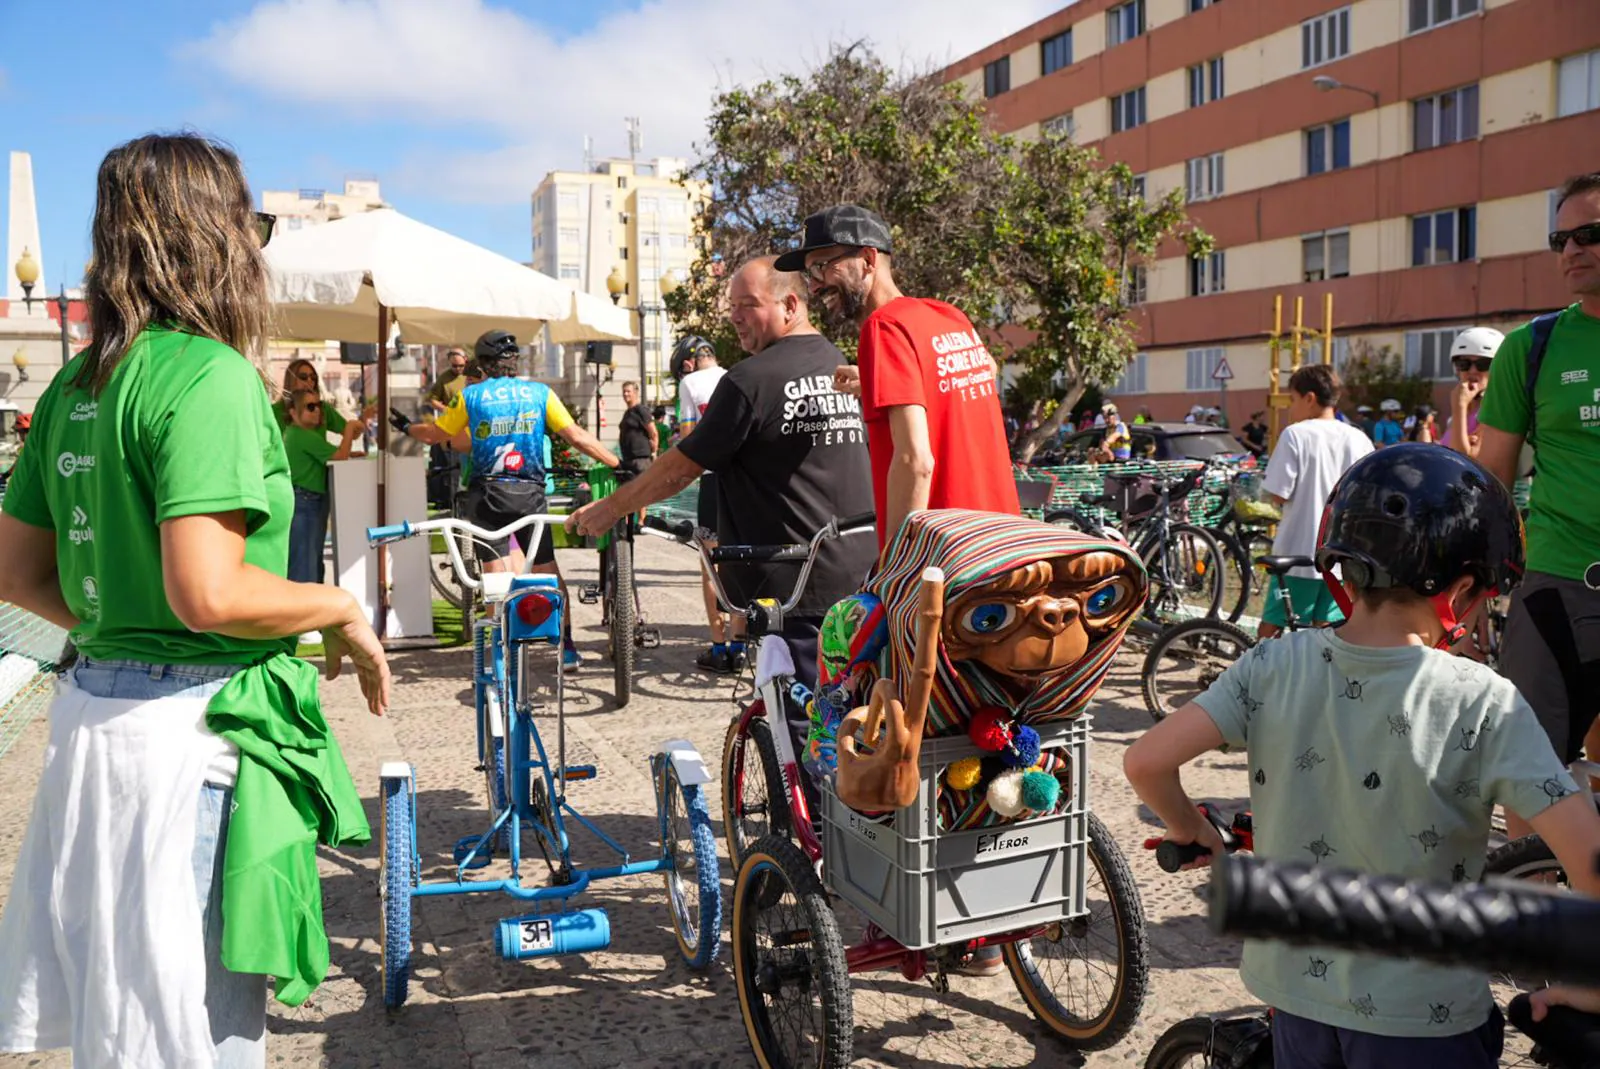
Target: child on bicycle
{"type": "Point", "coordinates": [1372, 748]}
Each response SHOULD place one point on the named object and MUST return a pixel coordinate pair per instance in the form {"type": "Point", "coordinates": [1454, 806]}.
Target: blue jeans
{"type": "Point", "coordinates": [308, 530]}
{"type": "Point", "coordinates": [236, 1003]}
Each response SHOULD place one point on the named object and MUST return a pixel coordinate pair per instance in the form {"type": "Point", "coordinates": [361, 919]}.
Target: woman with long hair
{"type": "Point", "coordinates": [151, 519]}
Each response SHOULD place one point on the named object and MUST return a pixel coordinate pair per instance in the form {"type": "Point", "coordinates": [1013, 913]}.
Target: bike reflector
{"type": "Point", "coordinates": [534, 609]}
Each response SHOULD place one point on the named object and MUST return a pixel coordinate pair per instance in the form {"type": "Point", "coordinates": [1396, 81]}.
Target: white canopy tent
{"type": "Point", "coordinates": [352, 279]}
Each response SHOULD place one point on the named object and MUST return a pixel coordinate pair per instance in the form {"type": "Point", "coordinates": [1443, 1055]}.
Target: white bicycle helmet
{"type": "Point", "coordinates": [1477, 341]}
{"type": "Point", "coordinates": [1389, 405]}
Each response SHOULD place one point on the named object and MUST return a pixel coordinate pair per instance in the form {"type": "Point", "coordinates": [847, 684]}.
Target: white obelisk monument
{"type": "Point", "coordinates": [30, 340]}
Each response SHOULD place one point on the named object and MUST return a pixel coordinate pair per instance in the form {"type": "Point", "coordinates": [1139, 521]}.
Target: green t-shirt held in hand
{"type": "Point", "coordinates": [308, 453]}
{"type": "Point", "coordinates": [183, 428]}
{"type": "Point", "coordinates": [1564, 512]}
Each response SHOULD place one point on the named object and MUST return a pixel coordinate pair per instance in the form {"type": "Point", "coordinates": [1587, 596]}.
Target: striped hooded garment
{"type": "Point", "coordinates": [974, 548]}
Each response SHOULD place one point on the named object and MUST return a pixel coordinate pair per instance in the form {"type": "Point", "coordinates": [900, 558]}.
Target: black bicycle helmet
{"type": "Point", "coordinates": [688, 349]}
{"type": "Point", "coordinates": [496, 346]}
{"type": "Point", "coordinates": [1419, 517]}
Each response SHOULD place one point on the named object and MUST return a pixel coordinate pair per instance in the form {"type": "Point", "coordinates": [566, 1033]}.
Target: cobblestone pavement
{"type": "Point", "coordinates": [636, 1004]}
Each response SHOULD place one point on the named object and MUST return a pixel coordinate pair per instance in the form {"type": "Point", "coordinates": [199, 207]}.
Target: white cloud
{"type": "Point", "coordinates": [454, 64]}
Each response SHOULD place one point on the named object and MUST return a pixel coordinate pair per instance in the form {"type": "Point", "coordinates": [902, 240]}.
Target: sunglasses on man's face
{"type": "Point", "coordinates": [1472, 363]}
{"type": "Point", "coordinates": [1585, 236]}
{"type": "Point", "coordinates": [265, 222]}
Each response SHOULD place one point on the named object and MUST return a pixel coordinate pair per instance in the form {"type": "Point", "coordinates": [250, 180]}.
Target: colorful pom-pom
{"type": "Point", "coordinates": [963, 775]}
{"type": "Point", "coordinates": [1024, 749]}
{"type": "Point", "coordinates": [1005, 794]}
{"type": "Point", "coordinates": [990, 729]}
{"type": "Point", "coordinates": [1039, 791]}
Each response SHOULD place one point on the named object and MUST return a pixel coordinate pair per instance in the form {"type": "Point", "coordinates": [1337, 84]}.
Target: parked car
{"type": "Point", "coordinates": [1151, 441]}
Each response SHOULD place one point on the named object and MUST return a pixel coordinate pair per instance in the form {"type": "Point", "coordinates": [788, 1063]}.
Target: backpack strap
{"type": "Point", "coordinates": [1540, 329]}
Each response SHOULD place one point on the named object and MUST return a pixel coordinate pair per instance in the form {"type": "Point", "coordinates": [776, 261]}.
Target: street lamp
{"type": "Point", "coordinates": [19, 360]}
{"type": "Point", "coordinates": [27, 271]}
{"type": "Point", "coordinates": [617, 285]}
{"type": "Point", "coordinates": [1328, 84]}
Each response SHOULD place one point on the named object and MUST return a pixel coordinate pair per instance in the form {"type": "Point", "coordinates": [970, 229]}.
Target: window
{"type": "Point", "coordinates": [1578, 84]}
{"type": "Point", "coordinates": [1200, 5]}
{"type": "Point", "coordinates": [1137, 186]}
{"type": "Point", "coordinates": [1445, 119]}
{"type": "Point", "coordinates": [1325, 38]}
{"type": "Point", "coordinates": [1135, 285]}
{"type": "Point", "coordinates": [1124, 23]}
{"type": "Point", "coordinates": [1062, 126]}
{"type": "Point", "coordinates": [1326, 255]}
{"type": "Point", "coordinates": [1428, 353]}
{"type": "Point", "coordinates": [1555, 204]}
{"type": "Point", "coordinates": [676, 241]}
{"type": "Point", "coordinates": [622, 252]}
{"type": "Point", "coordinates": [1204, 179]}
{"type": "Point", "coordinates": [1199, 367]}
{"type": "Point", "coordinates": [649, 205]}
{"type": "Point", "coordinates": [567, 203]}
{"type": "Point", "coordinates": [1055, 52]}
{"type": "Point", "coordinates": [622, 182]}
{"type": "Point", "coordinates": [1426, 14]}
{"type": "Point", "coordinates": [997, 77]}
{"type": "Point", "coordinates": [647, 240]}
{"type": "Point", "coordinates": [1205, 82]}
{"type": "Point", "coordinates": [1444, 237]}
{"type": "Point", "coordinates": [569, 272]}
{"type": "Point", "coordinates": [675, 209]}
{"type": "Point", "coordinates": [1328, 147]}
{"type": "Point", "coordinates": [1132, 380]}
{"type": "Point", "coordinates": [568, 235]}
{"type": "Point", "coordinates": [1208, 274]}
{"type": "Point", "coordinates": [1127, 110]}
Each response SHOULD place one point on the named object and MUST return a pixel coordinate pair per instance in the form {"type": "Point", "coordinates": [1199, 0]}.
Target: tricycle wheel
{"type": "Point", "coordinates": [694, 886]}
{"type": "Point", "coordinates": [1085, 979]}
{"type": "Point", "coordinates": [788, 960]}
{"type": "Point", "coordinates": [753, 800]}
{"type": "Point", "coordinates": [399, 872]}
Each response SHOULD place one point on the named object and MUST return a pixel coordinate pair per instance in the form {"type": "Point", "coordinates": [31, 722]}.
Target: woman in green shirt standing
{"type": "Point", "coordinates": [309, 451]}
{"type": "Point", "coordinates": [150, 517]}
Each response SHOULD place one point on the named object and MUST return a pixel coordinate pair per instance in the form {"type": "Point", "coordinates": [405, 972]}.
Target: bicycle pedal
{"type": "Point", "coordinates": [578, 772]}
{"type": "Point", "coordinates": [589, 595]}
{"type": "Point", "coordinates": [466, 846]}
{"type": "Point", "coordinates": [648, 637]}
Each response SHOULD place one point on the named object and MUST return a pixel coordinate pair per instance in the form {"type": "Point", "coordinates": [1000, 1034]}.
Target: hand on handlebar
{"type": "Point", "coordinates": [593, 519]}
{"type": "Point", "coordinates": [1584, 999]}
{"type": "Point", "coordinates": [398, 420]}
{"type": "Point", "coordinates": [1206, 837]}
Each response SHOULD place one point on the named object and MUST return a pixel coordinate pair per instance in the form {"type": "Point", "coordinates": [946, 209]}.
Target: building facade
{"type": "Point", "coordinates": [637, 218]}
{"type": "Point", "coordinates": [1400, 155]}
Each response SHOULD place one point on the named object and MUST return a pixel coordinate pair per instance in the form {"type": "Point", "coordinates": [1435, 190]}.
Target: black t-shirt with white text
{"type": "Point", "coordinates": [790, 453]}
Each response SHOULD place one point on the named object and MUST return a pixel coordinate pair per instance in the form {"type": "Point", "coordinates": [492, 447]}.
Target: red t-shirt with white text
{"type": "Point", "coordinates": [916, 351]}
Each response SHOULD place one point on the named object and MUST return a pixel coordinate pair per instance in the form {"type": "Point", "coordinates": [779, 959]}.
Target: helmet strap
{"type": "Point", "coordinates": [1341, 596]}
{"type": "Point", "coordinates": [1454, 628]}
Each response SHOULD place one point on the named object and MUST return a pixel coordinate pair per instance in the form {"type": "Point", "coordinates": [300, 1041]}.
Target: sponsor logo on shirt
{"type": "Point", "coordinates": [507, 459]}
{"type": "Point", "coordinates": [80, 531]}
{"type": "Point", "coordinates": [84, 410]}
{"type": "Point", "coordinates": [68, 464]}
{"type": "Point", "coordinates": [966, 370]}
{"type": "Point", "coordinates": [91, 593]}
{"type": "Point", "coordinates": [812, 407]}
{"type": "Point", "coordinates": [1572, 378]}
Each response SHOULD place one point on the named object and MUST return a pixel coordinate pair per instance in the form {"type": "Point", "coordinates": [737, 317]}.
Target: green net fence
{"type": "Point", "coordinates": [31, 651]}
{"type": "Point", "coordinates": [1206, 504]}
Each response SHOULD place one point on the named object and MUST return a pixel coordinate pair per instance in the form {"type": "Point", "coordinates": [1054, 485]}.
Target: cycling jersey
{"type": "Point", "coordinates": [509, 420]}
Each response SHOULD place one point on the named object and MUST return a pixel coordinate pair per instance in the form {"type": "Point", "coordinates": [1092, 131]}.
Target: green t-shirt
{"type": "Point", "coordinates": [308, 453]}
{"type": "Point", "coordinates": [1564, 511]}
{"type": "Point", "coordinates": [1385, 760]}
{"type": "Point", "coordinates": [183, 428]}
{"type": "Point", "coordinates": [332, 422]}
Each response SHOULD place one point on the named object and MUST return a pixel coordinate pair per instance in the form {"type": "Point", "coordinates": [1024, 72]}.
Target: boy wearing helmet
{"type": "Point", "coordinates": [1472, 355]}
{"type": "Point", "coordinates": [1372, 748]}
{"type": "Point", "coordinates": [1388, 431]}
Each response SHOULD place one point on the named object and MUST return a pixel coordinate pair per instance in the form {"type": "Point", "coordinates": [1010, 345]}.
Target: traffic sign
{"type": "Point", "coordinates": [1223, 372]}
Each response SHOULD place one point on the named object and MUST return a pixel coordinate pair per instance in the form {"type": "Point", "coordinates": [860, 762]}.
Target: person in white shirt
{"type": "Point", "coordinates": [1311, 454]}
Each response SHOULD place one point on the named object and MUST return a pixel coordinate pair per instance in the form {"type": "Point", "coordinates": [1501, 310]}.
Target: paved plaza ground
{"type": "Point", "coordinates": [635, 1004]}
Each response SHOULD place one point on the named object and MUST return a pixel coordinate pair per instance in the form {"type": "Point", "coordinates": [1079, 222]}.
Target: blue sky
{"type": "Point", "coordinates": [459, 107]}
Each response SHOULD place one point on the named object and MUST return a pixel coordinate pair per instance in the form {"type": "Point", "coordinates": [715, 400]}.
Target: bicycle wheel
{"type": "Point", "coordinates": [1186, 574]}
{"type": "Point", "coordinates": [1527, 858]}
{"type": "Point", "coordinates": [1237, 584]}
{"type": "Point", "coordinates": [620, 614]}
{"type": "Point", "coordinates": [694, 887]}
{"type": "Point", "coordinates": [1086, 978]}
{"type": "Point", "coordinates": [398, 879]}
{"type": "Point", "coordinates": [788, 962]}
{"type": "Point", "coordinates": [1207, 1042]}
{"type": "Point", "coordinates": [1186, 659]}
{"type": "Point", "coordinates": [754, 803]}
{"type": "Point", "coordinates": [494, 760]}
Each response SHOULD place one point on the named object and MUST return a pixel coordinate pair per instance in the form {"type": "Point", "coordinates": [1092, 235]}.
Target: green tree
{"type": "Point", "coordinates": [1372, 376]}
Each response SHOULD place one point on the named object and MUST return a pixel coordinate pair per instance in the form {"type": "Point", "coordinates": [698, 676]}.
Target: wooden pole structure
{"type": "Point", "coordinates": [1297, 354]}
{"type": "Point", "coordinates": [1327, 329]}
{"type": "Point", "coordinates": [381, 625]}
{"type": "Point", "coordinates": [1275, 366]}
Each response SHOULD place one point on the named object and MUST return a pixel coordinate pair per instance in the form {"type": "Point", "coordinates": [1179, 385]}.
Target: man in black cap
{"type": "Point", "coordinates": [930, 394]}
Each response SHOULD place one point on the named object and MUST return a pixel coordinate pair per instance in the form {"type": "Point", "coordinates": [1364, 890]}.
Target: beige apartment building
{"type": "Point", "coordinates": [632, 221]}
{"type": "Point", "coordinates": [1398, 154]}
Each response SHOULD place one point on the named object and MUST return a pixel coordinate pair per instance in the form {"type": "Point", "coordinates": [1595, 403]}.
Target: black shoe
{"type": "Point", "coordinates": [737, 660]}
{"type": "Point", "coordinates": [713, 661]}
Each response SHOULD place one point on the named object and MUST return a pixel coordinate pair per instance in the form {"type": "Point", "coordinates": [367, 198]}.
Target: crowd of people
{"type": "Point", "coordinates": [186, 731]}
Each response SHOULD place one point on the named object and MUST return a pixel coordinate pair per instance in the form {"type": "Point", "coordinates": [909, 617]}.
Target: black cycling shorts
{"type": "Point", "coordinates": [494, 503]}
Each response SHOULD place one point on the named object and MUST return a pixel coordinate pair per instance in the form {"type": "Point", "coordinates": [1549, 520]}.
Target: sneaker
{"type": "Point", "coordinates": [737, 660]}
{"type": "Point", "coordinates": [570, 657]}
{"type": "Point", "coordinates": [712, 661]}
{"type": "Point", "coordinates": [985, 961]}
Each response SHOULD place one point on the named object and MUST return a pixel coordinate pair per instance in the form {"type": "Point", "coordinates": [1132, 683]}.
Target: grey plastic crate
{"type": "Point", "coordinates": [928, 888]}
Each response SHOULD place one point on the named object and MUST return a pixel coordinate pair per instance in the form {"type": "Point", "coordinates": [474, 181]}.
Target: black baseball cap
{"type": "Point", "coordinates": [842, 224]}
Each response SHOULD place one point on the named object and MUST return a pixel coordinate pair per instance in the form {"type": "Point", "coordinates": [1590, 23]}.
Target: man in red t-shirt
{"type": "Point", "coordinates": [930, 392]}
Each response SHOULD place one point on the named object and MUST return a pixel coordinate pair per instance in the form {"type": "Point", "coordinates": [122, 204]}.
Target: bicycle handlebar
{"type": "Point", "coordinates": [1501, 926]}
{"type": "Point", "coordinates": [1173, 856]}
{"type": "Point", "coordinates": [396, 532]}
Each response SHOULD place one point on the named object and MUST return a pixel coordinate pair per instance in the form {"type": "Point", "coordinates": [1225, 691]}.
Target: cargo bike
{"type": "Point", "coordinates": [517, 684]}
{"type": "Point", "coordinates": [1051, 888]}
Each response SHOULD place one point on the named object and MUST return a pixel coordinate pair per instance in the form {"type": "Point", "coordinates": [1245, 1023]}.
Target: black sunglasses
{"type": "Point", "coordinates": [1472, 363]}
{"type": "Point", "coordinates": [265, 223]}
{"type": "Point", "coordinates": [1585, 236]}
{"type": "Point", "coordinates": [312, 406]}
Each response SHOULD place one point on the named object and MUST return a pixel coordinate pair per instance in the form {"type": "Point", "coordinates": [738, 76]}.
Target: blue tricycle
{"type": "Point", "coordinates": [517, 675]}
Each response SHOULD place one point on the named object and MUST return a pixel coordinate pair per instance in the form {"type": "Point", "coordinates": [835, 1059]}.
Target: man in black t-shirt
{"type": "Point", "coordinates": [636, 433]}
{"type": "Point", "coordinates": [790, 453]}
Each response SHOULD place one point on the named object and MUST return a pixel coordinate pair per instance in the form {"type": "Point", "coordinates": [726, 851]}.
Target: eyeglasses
{"type": "Point", "coordinates": [306, 373]}
{"type": "Point", "coordinates": [818, 271]}
{"type": "Point", "coordinates": [1472, 363]}
{"type": "Point", "coordinates": [313, 406]}
{"type": "Point", "coordinates": [1585, 236]}
{"type": "Point", "coordinates": [265, 223]}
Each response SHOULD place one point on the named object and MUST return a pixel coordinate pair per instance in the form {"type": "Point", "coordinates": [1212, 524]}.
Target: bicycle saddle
{"type": "Point", "coordinates": [1280, 565]}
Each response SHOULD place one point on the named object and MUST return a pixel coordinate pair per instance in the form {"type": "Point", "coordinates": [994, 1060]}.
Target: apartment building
{"type": "Point", "coordinates": [1400, 155]}
{"type": "Point", "coordinates": [630, 219]}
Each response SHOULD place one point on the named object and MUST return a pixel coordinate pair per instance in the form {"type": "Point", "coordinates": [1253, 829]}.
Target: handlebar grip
{"type": "Point", "coordinates": [860, 519]}
{"type": "Point", "coordinates": [1502, 926]}
{"type": "Point", "coordinates": [1173, 856]}
{"type": "Point", "coordinates": [390, 533]}
{"type": "Point", "coordinates": [751, 554]}
{"type": "Point", "coordinates": [683, 530]}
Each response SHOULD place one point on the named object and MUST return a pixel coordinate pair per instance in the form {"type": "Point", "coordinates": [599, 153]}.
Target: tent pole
{"type": "Point", "coordinates": [382, 371]}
